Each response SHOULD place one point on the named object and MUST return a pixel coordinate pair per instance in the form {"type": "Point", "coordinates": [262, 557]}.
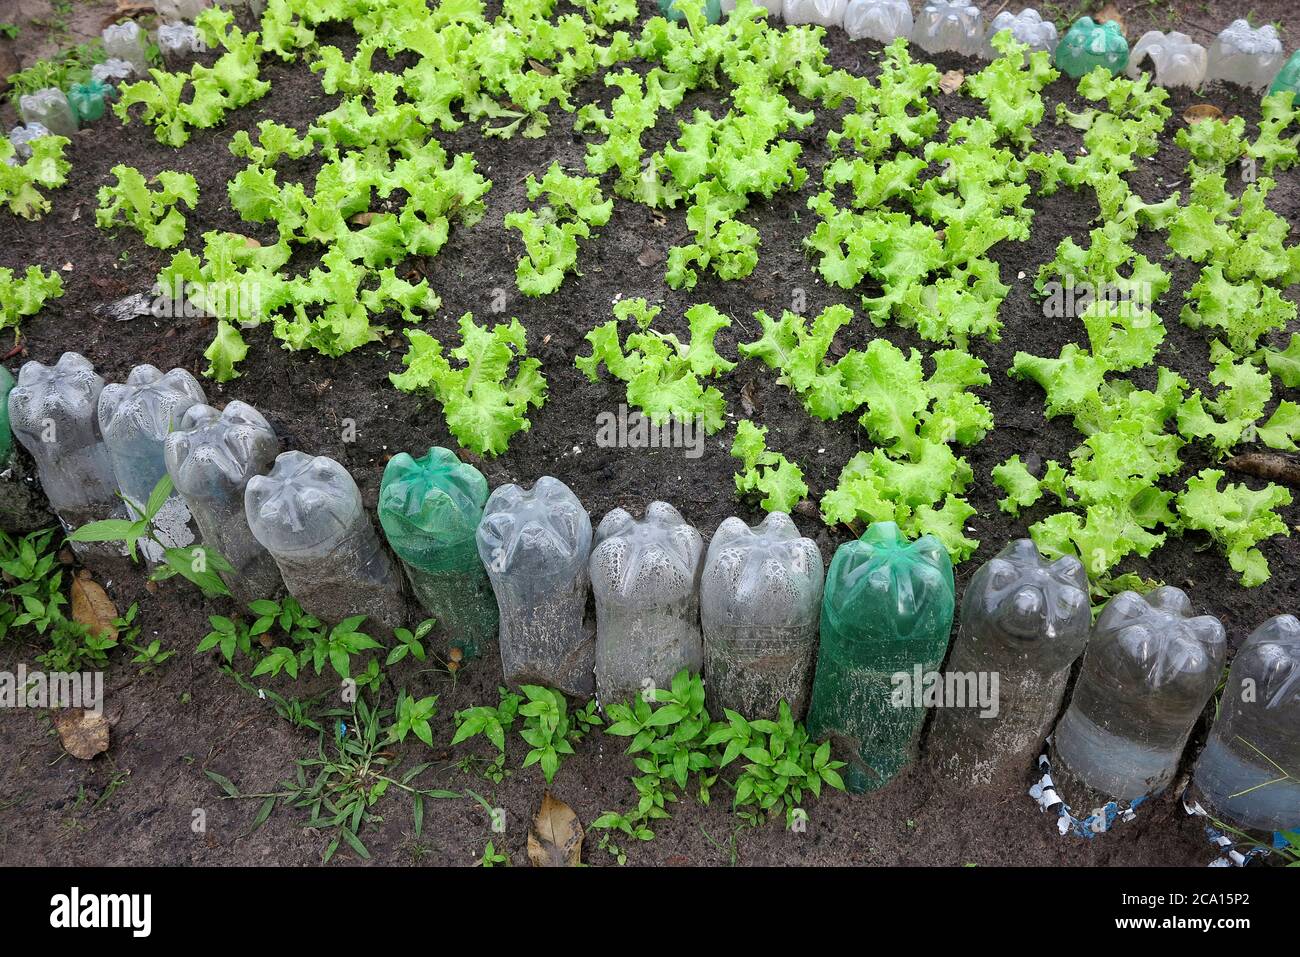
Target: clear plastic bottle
{"type": "Point", "coordinates": [645, 576]}
{"type": "Point", "coordinates": [210, 458]}
{"type": "Point", "coordinates": [308, 514]}
{"type": "Point", "coordinates": [126, 41]}
{"type": "Point", "coordinates": [177, 43]}
{"type": "Point", "coordinates": [886, 613]}
{"type": "Point", "coordinates": [881, 20]}
{"type": "Point", "coordinates": [1024, 620]}
{"type": "Point", "coordinates": [180, 9]}
{"type": "Point", "coordinates": [50, 108]}
{"type": "Point", "coordinates": [21, 137]}
{"type": "Point", "coordinates": [52, 411]}
{"type": "Point", "coordinates": [1177, 59]}
{"type": "Point", "coordinates": [826, 13]}
{"type": "Point", "coordinates": [135, 419]}
{"type": "Point", "coordinates": [1148, 671]}
{"type": "Point", "coordinates": [535, 544]}
{"type": "Point", "coordinates": [1027, 27]}
{"type": "Point", "coordinates": [430, 508]}
{"type": "Point", "coordinates": [773, 8]}
{"type": "Point", "coordinates": [112, 71]}
{"type": "Point", "coordinates": [949, 25]}
{"type": "Point", "coordinates": [1247, 774]}
{"type": "Point", "coordinates": [1246, 56]}
{"type": "Point", "coordinates": [760, 602]}
{"type": "Point", "coordinates": [23, 508]}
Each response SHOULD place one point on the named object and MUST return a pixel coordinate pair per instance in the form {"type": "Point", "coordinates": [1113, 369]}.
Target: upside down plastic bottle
{"type": "Point", "coordinates": [760, 599]}
{"type": "Point", "coordinates": [886, 615]}
{"type": "Point", "coordinates": [52, 411]}
{"type": "Point", "coordinates": [535, 544]}
{"type": "Point", "coordinates": [308, 514]}
{"type": "Point", "coordinates": [1249, 772]}
{"type": "Point", "coordinates": [645, 576]}
{"type": "Point", "coordinates": [1025, 621]}
{"type": "Point", "coordinates": [430, 509]}
{"type": "Point", "coordinates": [1148, 671]}
{"type": "Point", "coordinates": [211, 458]}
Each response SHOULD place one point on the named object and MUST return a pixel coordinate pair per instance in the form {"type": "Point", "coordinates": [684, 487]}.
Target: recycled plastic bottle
{"type": "Point", "coordinates": [1246, 56]}
{"type": "Point", "coordinates": [1024, 621]}
{"type": "Point", "coordinates": [126, 41]}
{"type": "Point", "coordinates": [6, 434]}
{"type": "Point", "coordinates": [826, 13]}
{"type": "Point", "coordinates": [955, 26]}
{"type": "Point", "coordinates": [1027, 27]}
{"type": "Point", "coordinates": [89, 99]}
{"type": "Point", "coordinates": [645, 576]}
{"type": "Point", "coordinates": [1148, 671]}
{"type": "Point", "coordinates": [1176, 59]}
{"type": "Point", "coordinates": [1088, 45]}
{"type": "Point", "coordinates": [1288, 79]}
{"type": "Point", "coordinates": [308, 514]}
{"type": "Point", "coordinates": [22, 506]}
{"type": "Point", "coordinates": [712, 10]}
{"type": "Point", "coordinates": [211, 457]}
{"type": "Point", "coordinates": [886, 620]}
{"type": "Point", "coordinates": [52, 411]}
{"type": "Point", "coordinates": [135, 418]}
{"type": "Point", "coordinates": [48, 107]}
{"type": "Point", "coordinates": [881, 20]}
{"type": "Point", "coordinates": [430, 508]}
{"type": "Point", "coordinates": [535, 544]}
{"type": "Point", "coordinates": [1247, 774]}
{"type": "Point", "coordinates": [760, 600]}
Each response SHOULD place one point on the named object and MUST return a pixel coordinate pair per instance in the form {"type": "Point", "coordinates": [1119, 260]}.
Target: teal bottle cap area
{"type": "Point", "coordinates": [431, 506]}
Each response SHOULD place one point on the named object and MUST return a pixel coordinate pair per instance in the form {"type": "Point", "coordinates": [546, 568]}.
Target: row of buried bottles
{"type": "Point", "coordinates": [61, 112]}
{"type": "Point", "coordinates": [1242, 54]}
{"type": "Point", "coordinates": [747, 612]}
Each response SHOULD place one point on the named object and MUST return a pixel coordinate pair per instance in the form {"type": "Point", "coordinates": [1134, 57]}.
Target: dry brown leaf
{"type": "Point", "coordinates": [542, 68]}
{"type": "Point", "coordinates": [1203, 111]}
{"type": "Point", "coordinates": [362, 219]}
{"type": "Point", "coordinates": [1110, 12]}
{"type": "Point", "coordinates": [92, 607]}
{"type": "Point", "coordinates": [951, 81]}
{"type": "Point", "coordinates": [84, 733]}
{"type": "Point", "coordinates": [555, 839]}
{"type": "Point", "coordinates": [649, 256]}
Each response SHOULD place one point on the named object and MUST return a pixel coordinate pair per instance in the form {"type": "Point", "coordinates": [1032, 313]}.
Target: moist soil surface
{"type": "Point", "coordinates": [137, 803]}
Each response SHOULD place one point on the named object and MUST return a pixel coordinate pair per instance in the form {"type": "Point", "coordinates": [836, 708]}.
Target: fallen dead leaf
{"type": "Point", "coordinates": [951, 81]}
{"type": "Point", "coordinates": [92, 607]}
{"type": "Point", "coordinates": [1203, 111]}
{"type": "Point", "coordinates": [1110, 12]}
{"type": "Point", "coordinates": [84, 733]}
{"type": "Point", "coordinates": [362, 219]}
{"type": "Point", "coordinates": [555, 839]}
{"type": "Point", "coordinates": [748, 401]}
{"type": "Point", "coordinates": [649, 256]}
{"type": "Point", "coordinates": [251, 243]}
{"type": "Point", "coordinates": [541, 68]}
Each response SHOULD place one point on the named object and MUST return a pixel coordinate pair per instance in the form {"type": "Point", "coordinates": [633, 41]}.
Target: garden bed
{"type": "Point", "coordinates": [136, 803]}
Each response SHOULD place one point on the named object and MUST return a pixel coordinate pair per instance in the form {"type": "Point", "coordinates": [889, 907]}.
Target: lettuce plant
{"type": "Point", "coordinates": [573, 206]}
{"type": "Point", "coordinates": [152, 213]}
{"type": "Point", "coordinates": [765, 472]}
{"type": "Point", "coordinates": [664, 376]}
{"type": "Point", "coordinates": [1236, 518]}
{"type": "Point", "coordinates": [21, 183]}
{"type": "Point", "coordinates": [24, 296]}
{"type": "Point", "coordinates": [484, 404]}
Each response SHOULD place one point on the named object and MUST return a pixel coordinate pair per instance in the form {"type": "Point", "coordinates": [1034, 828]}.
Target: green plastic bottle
{"type": "Point", "coordinates": [712, 10]}
{"type": "Point", "coordinates": [6, 434]}
{"type": "Point", "coordinates": [1088, 45]}
{"type": "Point", "coordinates": [430, 508]}
{"type": "Point", "coordinates": [89, 99]}
{"type": "Point", "coordinates": [1288, 81]}
{"type": "Point", "coordinates": [886, 619]}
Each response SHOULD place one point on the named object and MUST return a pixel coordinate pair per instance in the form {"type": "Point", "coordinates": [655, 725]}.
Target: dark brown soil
{"type": "Point", "coordinates": [189, 717]}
